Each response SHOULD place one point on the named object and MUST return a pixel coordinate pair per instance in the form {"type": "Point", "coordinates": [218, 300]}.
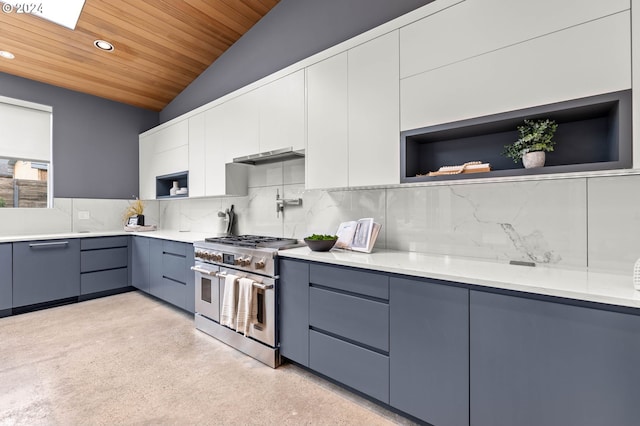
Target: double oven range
{"type": "Point", "coordinates": [243, 256]}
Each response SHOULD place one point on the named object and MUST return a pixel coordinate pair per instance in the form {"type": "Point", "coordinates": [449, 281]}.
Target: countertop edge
{"type": "Point", "coordinates": [185, 237]}
{"type": "Point", "coordinates": [573, 284]}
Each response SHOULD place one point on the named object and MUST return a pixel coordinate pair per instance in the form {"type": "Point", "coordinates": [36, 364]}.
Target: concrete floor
{"type": "Point", "coordinates": [130, 359]}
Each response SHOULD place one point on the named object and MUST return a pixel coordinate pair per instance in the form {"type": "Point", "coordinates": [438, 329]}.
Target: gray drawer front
{"type": "Point", "coordinates": [367, 283]}
{"type": "Point", "coordinates": [174, 293]}
{"type": "Point", "coordinates": [99, 260]}
{"type": "Point", "coordinates": [175, 247]}
{"type": "Point", "coordinates": [94, 282]}
{"type": "Point", "coordinates": [351, 365]}
{"type": "Point", "coordinates": [6, 276]}
{"type": "Point", "coordinates": [174, 267]}
{"type": "Point", "coordinates": [103, 242]}
{"type": "Point", "coordinates": [46, 270]}
{"type": "Point", "coordinates": [362, 320]}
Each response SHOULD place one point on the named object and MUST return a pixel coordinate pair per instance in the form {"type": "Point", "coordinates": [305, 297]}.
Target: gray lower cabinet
{"type": "Point", "coordinates": [294, 310]}
{"type": "Point", "coordinates": [6, 278]}
{"type": "Point", "coordinates": [45, 271]}
{"type": "Point", "coordinates": [140, 266]}
{"type": "Point", "coordinates": [449, 355]}
{"type": "Point", "coordinates": [429, 355]}
{"type": "Point", "coordinates": [104, 264]}
{"type": "Point", "coordinates": [349, 328]}
{"type": "Point", "coordinates": [170, 275]}
{"type": "Point", "coordinates": [537, 363]}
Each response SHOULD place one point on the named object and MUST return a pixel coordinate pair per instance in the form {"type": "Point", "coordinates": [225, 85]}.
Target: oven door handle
{"type": "Point", "coordinates": [256, 284]}
{"type": "Point", "coordinates": [204, 271]}
{"type": "Point", "coordinates": [263, 286]}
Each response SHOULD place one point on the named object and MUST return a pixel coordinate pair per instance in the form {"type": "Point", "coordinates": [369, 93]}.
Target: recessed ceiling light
{"type": "Point", "coordinates": [7, 55]}
{"type": "Point", "coordinates": [103, 45]}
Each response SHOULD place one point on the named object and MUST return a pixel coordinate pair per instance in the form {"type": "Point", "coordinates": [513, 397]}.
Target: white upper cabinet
{"type": "Point", "coordinates": [221, 178]}
{"type": "Point", "coordinates": [171, 149]}
{"type": "Point", "coordinates": [281, 104]}
{"type": "Point", "coordinates": [374, 112]}
{"type": "Point", "coordinates": [353, 136]}
{"type": "Point", "coordinates": [580, 61]}
{"type": "Point", "coordinates": [197, 160]}
{"type": "Point", "coordinates": [237, 126]}
{"type": "Point", "coordinates": [475, 27]}
{"type": "Point", "coordinates": [215, 156]}
{"type": "Point", "coordinates": [146, 175]}
{"type": "Point", "coordinates": [327, 123]}
{"type": "Point", "coordinates": [162, 152]}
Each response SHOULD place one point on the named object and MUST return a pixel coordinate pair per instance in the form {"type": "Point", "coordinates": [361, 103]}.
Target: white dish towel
{"type": "Point", "coordinates": [247, 306]}
{"type": "Point", "coordinates": [229, 301]}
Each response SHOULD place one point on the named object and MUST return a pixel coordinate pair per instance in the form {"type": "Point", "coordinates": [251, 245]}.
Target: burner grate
{"type": "Point", "coordinates": [251, 241]}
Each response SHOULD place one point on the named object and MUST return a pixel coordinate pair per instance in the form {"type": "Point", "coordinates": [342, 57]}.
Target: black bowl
{"type": "Point", "coordinates": [320, 245]}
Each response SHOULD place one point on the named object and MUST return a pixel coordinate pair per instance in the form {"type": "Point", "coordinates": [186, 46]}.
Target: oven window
{"type": "Point", "coordinates": [205, 285]}
{"type": "Point", "coordinates": [260, 307]}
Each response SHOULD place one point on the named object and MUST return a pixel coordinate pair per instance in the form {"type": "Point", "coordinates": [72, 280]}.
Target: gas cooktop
{"type": "Point", "coordinates": [254, 241]}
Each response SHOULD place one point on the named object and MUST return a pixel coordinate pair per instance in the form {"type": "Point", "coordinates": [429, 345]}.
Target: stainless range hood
{"type": "Point", "coordinates": [271, 156]}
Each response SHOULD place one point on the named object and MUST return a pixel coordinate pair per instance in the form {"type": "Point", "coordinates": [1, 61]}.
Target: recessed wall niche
{"type": "Point", "coordinates": [594, 133]}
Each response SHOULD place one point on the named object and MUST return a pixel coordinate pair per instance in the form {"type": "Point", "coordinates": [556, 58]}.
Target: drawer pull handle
{"type": "Point", "coordinates": [55, 244]}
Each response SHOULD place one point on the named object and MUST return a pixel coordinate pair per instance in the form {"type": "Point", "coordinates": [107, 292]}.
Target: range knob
{"type": "Point", "coordinates": [216, 257]}
{"type": "Point", "coordinates": [245, 261]}
{"type": "Point", "coordinates": [260, 264]}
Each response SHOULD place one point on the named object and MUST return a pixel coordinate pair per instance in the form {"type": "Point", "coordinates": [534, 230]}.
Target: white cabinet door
{"type": "Point", "coordinates": [282, 113]}
{"type": "Point", "coordinates": [171, 137]}
{"type": "Point", "coordinates": [374, 116]}
{"type": "Point", "coordinates": [166, 151]}
{"type": "Point", "coordinates": [221, 178]}
{"type": "Point", "coordinates": [215, 128]}
{"type": "Point", "coordinates": [197, 160]}
{"type": "Point", "coordinates": [456, 33]}
{"type": "Point", "coordinates": [327, 123]}
{"type": "Point", "coordinates": [146, 174]}
{"type": "Point", "coordinates": [581, 61]}
{"type": "Point", "coordinates": [239, 126]}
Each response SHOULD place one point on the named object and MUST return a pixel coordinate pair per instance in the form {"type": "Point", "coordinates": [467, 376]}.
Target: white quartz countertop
{"type": "Point", "coordinates": [578, 284]}
{"type": "Point", "coordinates": [185, 237]}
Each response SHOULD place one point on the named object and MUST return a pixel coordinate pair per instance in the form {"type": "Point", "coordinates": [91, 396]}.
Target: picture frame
{"type": "Point", "coordinates": [135, 220]}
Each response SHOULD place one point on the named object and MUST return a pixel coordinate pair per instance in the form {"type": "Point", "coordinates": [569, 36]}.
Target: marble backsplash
{"type": "Point", "coordinates": [578, 222]}
{"type": "Point", "coordinates": [71, 215]}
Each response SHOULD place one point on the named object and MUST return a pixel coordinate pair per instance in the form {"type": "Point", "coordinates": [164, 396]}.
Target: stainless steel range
{"type": "Point", "coordinates": [231, 261]}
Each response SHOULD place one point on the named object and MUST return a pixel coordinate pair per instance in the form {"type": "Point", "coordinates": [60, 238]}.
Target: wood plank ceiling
{"type": "Point", "coordinates": [160, 46]}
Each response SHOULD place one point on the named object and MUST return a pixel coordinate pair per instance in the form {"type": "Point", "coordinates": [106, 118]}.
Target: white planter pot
{"type": "Point", "coordinates": [533, 159]}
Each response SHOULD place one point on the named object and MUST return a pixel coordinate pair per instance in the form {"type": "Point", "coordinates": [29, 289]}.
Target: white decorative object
{"type": "Point", "coordinates": [174, 189]}
{"type": "Point", "coordinates": [533, 159]}
{"type": "Point", "coordinates": [636, 275]}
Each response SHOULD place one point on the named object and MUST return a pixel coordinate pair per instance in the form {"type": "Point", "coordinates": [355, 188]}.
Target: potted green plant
{"type": "Point", "coordinates": [535, 137]}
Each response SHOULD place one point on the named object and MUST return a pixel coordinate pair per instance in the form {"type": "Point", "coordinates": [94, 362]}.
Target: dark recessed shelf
{"type": "Point", "coordinates": [594, 133]}
{"type": "Point", "coordinates": [164, 184]}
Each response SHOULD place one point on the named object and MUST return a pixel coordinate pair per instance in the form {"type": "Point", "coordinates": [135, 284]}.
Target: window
{"type": "Point", "coordinates": [25, 154]}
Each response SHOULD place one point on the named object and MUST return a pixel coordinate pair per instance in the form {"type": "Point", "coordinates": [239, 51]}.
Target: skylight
{"type": "Point", "coordinates": [65, 13]}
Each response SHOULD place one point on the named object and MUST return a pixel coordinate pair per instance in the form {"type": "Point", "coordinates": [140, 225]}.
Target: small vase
{"type": "Point", "coordinates": [174, 188]}
{"type": "Point", "coordinates": [533, 159]}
